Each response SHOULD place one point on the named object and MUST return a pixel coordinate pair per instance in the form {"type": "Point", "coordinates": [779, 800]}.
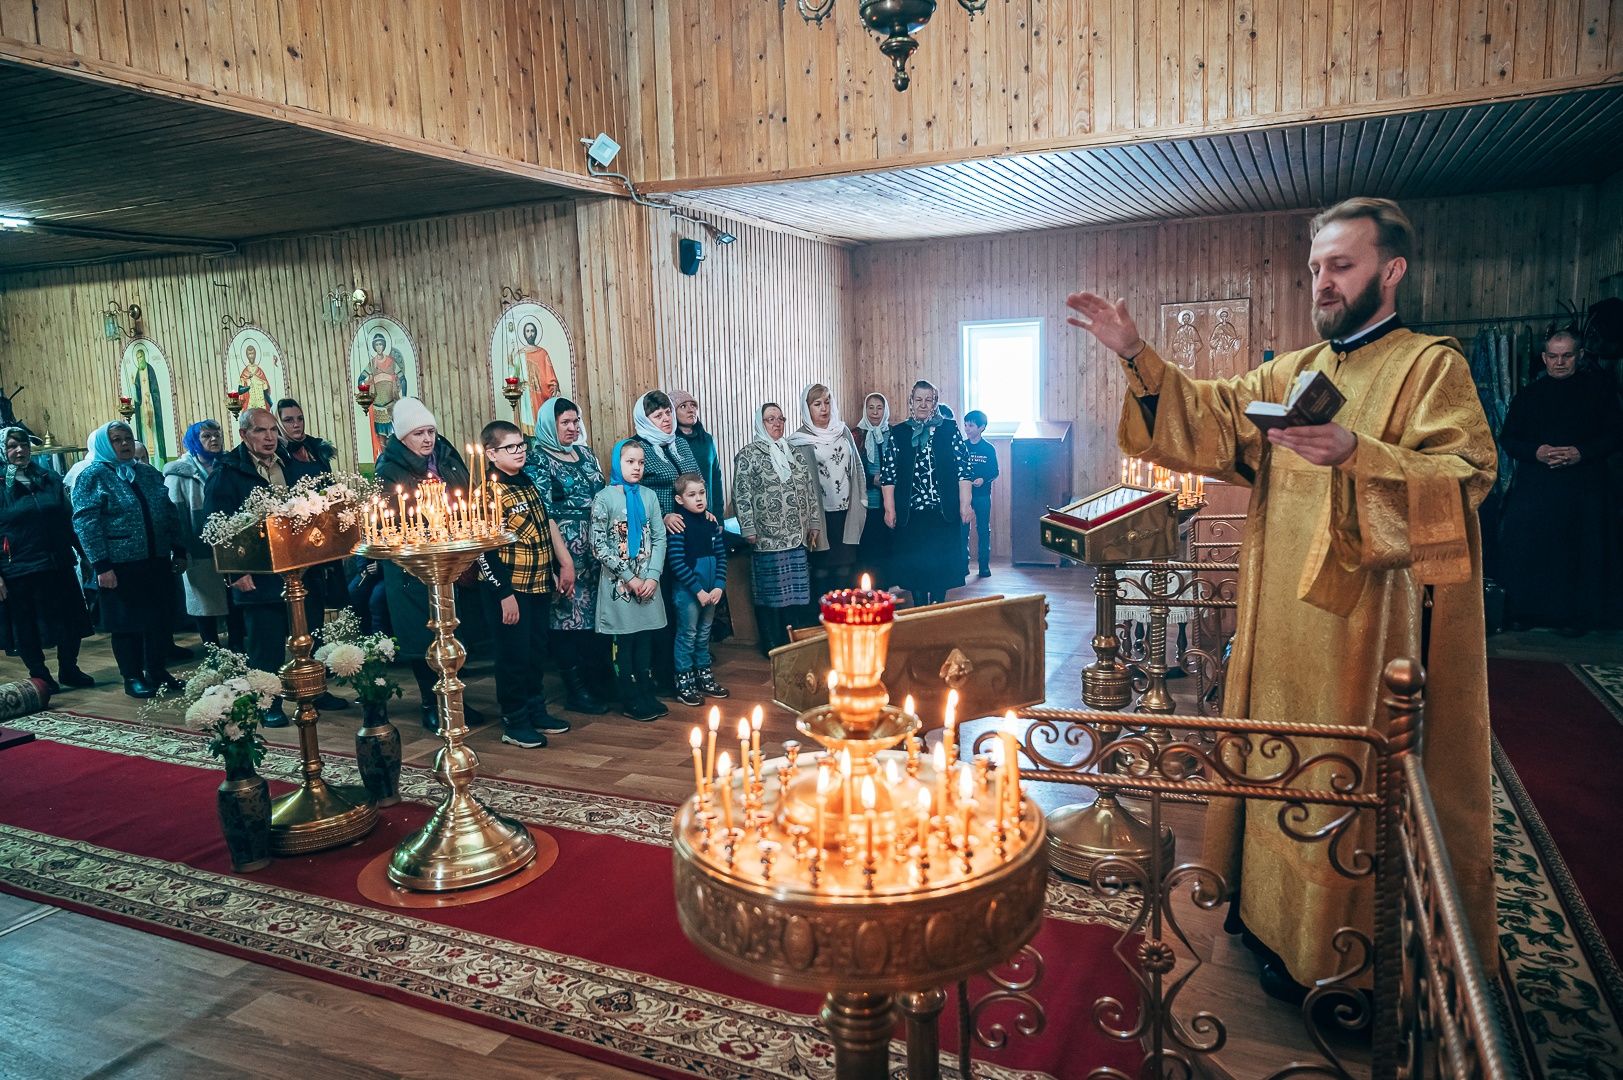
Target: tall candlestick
{"type": "Point", "coordinates": [924, 822]}
{"type": "Point", "coordinates": [714, 724]}
{"type": "Point", "coordinates": [868, 800]}
{"type": "Point", "coordinates": [744, 749]}
{"type": "Point", "coordinates": [938, 759]}
{"type": "Point", "coordinates": [755, 740]}
{"type": "Point", "coordinates": [724, 777]}
{"type": "Point", "coordinates": [698, 763]}
{"type": "Point", "coordinates": [950, 726]}
{"type": "Point", "coordinates": [1011, 762]}
{"type": "Point", "coordinates": [966, 799]}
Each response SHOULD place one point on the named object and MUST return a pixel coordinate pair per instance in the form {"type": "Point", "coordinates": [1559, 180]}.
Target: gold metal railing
{"type": "Point", "coordinates": [1430, 1011]}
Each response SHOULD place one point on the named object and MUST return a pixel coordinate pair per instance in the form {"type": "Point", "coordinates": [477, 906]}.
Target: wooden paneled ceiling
{"type": "Point", "coordinates": [136, 174]}
{"type": "Point", "coordinates": [1530, 142]}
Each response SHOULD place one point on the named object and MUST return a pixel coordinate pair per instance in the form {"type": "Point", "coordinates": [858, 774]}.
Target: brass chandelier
{"type": "Point", "coordinates": [894, 21]}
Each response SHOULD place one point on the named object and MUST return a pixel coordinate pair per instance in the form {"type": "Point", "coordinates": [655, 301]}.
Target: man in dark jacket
{"type": "Point", "coordinates": [327, 583]}
{"type": "Point", "coordinates": [255, 464]}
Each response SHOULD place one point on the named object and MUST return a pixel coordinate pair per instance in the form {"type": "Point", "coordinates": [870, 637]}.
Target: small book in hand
{"type": "Point", "coordinates": [1313, 400]}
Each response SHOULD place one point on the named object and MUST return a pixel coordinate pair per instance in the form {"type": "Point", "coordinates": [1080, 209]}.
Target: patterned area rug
{"type": "Point", "coordinates": [661, 1014]}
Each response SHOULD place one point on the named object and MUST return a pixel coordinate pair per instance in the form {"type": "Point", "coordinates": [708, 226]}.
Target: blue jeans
{"type": "Point", "coordinates": [693, 623]}
{"type": "Point", "coordinates": [980, 501]}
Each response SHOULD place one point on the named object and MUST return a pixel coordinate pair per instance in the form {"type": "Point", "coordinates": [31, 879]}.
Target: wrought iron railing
{"type": "Point", "coordinates": [1359, 794]}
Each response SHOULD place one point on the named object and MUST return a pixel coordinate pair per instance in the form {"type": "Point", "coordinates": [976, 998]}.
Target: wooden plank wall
{"type": "Point", "coordinates": [914, 296]}
{"type": "Point", "coordinates": [505, 79]}
{"type": "Point", "coordinates": [763, 318]}
{"type": "Point", "coordinates": [746, 87]}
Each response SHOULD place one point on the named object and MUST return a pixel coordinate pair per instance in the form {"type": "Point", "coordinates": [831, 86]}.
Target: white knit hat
{"type": "Point", "coordinates": [409, 414]}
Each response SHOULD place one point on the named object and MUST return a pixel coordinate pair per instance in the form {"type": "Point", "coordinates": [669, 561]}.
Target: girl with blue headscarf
{"type": "Point", "coordinates": [628, 541]}
{"type": "Point", "coordinates": [568, 477]}
{"type": "Point", "coordinates": [132, 539]}
{"type": "Point", "coordinates": [185, 478]}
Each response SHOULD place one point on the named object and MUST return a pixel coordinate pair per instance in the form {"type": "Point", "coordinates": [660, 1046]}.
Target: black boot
{"type": "Point", "coordinates": [705, 680]}
{"type": "Point", "coordinates": [648, 702]}
{"type": "Point", "coordinates": [73, 676]}
{"type": "Point", "coordinates": [431, 717]}
{"type": "Point", "coordinates": [581, 699]}
{"type": "Point", "coordinates": [687, 690]}
{"type": "Point", "coordinates": [630, 696]}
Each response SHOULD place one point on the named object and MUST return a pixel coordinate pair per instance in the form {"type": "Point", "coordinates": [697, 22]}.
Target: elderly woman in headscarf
{"type": "Point", "coordinates": [780, 512]}
{"type": "Point", "coordinates": [873, 553]}
{"type": "Point", "coordinates": [567, 475]}
{"type": "Point", "coordinates": [701, 444]}
{"type": "Point", "coordinates": [415, 451]}
{"type": "Point", "coordinates": [926, 490]}
{"type": "Point", "coordinates": [826, 446]}
{"type": "Point", "coordinates": [38, 585]}
{"type": "Point", "coordinates": [132, 539]}
{"type": "Point", "coordinates": [186, 478]}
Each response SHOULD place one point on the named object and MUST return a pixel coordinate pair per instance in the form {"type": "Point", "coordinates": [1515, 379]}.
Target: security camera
{"type": "Point", "coordinates": [601, 150]}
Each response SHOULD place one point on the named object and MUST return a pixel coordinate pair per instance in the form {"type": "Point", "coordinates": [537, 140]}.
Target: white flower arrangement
{"type": "Point", "coordinates": [224, 699]}
{"type": "Point", "coordinates": [360, 661]}
{"type": "Point", "coordinates": [340, 493]}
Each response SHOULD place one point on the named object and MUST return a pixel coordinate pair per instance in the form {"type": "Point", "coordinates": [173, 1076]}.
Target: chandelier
{"type": "Point", "coordinates": [894, 21]}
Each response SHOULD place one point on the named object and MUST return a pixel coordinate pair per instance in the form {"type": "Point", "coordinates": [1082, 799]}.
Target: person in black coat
{"type": "Point", "coordinates": [414, 452]}
{"type": "Point", "coordinates": [327, 584]}
{"type": "Point", "coordinates": [254, 463]}
{"type": "Point", "coordinates": [38, 582]}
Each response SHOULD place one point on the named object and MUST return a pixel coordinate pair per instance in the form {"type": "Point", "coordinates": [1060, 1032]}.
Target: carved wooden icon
{"type": "Point", "coordinates": [1209, 339]}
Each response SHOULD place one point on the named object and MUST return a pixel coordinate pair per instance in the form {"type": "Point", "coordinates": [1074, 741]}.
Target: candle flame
{"type": "Point", "coordinates": [893, 773]}
{"type": "Point", "coordinates": [743, 728]}
{"type": "Point", "coordinates": [938, 757]}
{"type": "Point", "coordinates": [833, 679]}
{"type": "Point", "coordinates": [966, 784]}
{"type": "Point", "coordinates": [952, 699]}
{"type": "Point", "coordinates": [825, 780]}
{"type": "Point", "coordinates": [694, 738]}
{"type": "Point", "coordinates": [724, 765]}
{"type": "Point", "coordinates": [907, 705]}
{"type": "Point", "coordinates": [755, 718]}
{"type": "Point", "coordinates": [867, 583]}
{"type": "Point", "coordinates": [845, 761]}
{"type": "Point", "coordinates": [868, 795]}
{"type": "Point", "coordinates": [715, 718]}
{"type": "Point", "coordinates": [925, 800]}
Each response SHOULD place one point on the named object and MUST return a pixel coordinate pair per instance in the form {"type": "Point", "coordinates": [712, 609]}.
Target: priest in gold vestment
{"type": "Point", "coordinates": [1352, 525]}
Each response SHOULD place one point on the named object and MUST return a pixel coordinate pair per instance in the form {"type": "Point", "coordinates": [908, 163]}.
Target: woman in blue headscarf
{"type": "Point", "coordinates": [207, 599]}
{"type": "Point", "coordinates": [628, 540]}
{"type": "Point", "coordinates": [567, 475]}
{"type": "Point", "coordinates": [132, 539]}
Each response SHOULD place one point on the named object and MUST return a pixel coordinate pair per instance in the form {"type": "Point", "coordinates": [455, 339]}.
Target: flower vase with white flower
{"type": "Point", "coordinates": [361, 662]}
{"type": "Point", "coordinates": [224, 700]}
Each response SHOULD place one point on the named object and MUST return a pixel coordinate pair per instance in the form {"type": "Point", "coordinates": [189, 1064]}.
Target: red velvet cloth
{"type": "Point", "coordinates": [607, 899]}
{"type": "Point", "coordinates": [1566, 746]}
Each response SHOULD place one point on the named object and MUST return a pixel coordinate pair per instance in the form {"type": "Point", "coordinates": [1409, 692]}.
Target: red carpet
{"type": "Point", "coordinates": [608, 903]}
{"type": "Point", "coordinates": [1566, 747]}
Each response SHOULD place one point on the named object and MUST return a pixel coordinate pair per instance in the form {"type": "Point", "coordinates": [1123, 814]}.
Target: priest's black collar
{"type": "Point", "coordinates": [1367, 337]}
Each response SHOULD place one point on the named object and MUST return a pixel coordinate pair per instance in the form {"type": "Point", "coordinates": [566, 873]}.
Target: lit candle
{"type": "Point", "coordinates": [714, 724]}
{"type": "Point", "coordinates": [950, 726]}
{"type": "Point", "coordinates": [698, 763]}
{"type": "Point", "coordinates": [400, 500]}
{"type": "Point", "coordinates": [938, 759]}
{"type": "Point", "coordinates": [1011, 765]}
{"type": "Point", "coordinates": [924, 822]}
{"type": "Point", "coordinates": [824, 783]}
{"type": "Point", "coordinates": [744, 749]}
{"type": "Point", "coordinates": [755, 740]}
{"type": "Point", "coordinates": [868, 800]}
{"type": "Point", "coordinates": [867, 583]}
{"type": "Point", "coordinates": [966, 799]}
{"type": "Point", "coordinates": [848, 805]}
{"type": "Point", "coordinates": [724, 776]}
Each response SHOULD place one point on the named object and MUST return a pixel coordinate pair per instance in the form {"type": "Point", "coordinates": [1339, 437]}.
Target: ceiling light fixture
{"type": "Point", "coordinates": [893, 21]}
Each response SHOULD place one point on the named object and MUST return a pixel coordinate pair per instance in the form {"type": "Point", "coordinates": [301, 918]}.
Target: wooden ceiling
{"type": "Point", "coordinates": [1531, 142]}
{"type": "Point", "coordinates": [136, 174]}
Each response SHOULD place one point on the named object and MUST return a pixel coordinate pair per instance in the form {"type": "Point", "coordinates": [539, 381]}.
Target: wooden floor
{"type": "Point", "coordinates": [94, 999]}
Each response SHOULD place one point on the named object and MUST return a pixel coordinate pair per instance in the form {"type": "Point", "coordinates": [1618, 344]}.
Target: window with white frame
{"type": "Point", "coordinates": [1003, 370]}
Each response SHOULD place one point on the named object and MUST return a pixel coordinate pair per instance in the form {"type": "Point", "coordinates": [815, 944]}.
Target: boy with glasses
{"type": "Point", "coordinates": [518, 591]}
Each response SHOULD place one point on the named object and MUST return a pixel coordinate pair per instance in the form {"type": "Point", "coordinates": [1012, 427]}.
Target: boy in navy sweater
{"type": "Point", "coordinates": [982, 471]}
{"type": "Point", "coordinates": [696, 563]}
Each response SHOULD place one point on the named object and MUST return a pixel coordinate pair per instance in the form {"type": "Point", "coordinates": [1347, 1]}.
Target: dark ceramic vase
{"type": "Point", "coordinates": [243, 801]}
{"type": "Point", "coordinates": [377, 755]}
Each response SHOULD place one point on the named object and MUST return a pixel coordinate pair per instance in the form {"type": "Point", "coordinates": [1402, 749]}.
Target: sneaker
{"type": "Point", "coordinates": [708, 686]}
{"type": "Point", "coordinates": [518, 731]}
{"type": "Point", "coordinates": [543, 720]}
{"type": "Point", "coordinates": [687, 689]}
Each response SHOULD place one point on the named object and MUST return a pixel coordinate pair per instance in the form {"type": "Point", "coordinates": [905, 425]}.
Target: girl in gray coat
{"type": "Point", "coordinates": [628, 541]}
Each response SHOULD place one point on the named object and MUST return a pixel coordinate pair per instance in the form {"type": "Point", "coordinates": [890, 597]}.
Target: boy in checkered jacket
{"type": "Point", "coordinates": [518, 582]}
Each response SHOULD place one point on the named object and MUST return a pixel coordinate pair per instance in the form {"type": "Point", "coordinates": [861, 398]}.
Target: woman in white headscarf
{"type": "Point", "coordinates": [665, 456]}
{"type": "Point", "coordinates": [874, 442]}
{"type": "Point", "coordinates": [826, 446]}
{"type": "Point", "coordinates": [780, 513]}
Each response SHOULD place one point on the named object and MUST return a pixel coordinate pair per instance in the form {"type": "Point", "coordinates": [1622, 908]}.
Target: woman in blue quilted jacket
{"type": "Point", "coordinates": [131, 536]}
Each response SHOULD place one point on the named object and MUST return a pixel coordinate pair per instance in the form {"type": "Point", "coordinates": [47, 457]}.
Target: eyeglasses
{"type": "Point", "coordinates": [510, 448]}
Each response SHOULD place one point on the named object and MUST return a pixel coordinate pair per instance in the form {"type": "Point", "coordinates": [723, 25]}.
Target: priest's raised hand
{"type": "Point", "coordinates": [1106, 320]}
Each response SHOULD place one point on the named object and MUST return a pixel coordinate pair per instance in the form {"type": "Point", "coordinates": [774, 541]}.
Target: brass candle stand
{"type": "Point", "coordinates": [435, 538]}
{"type": "Point", "coordinates": [317, 815]}
{"type": "Point", "coordinates": [870, 873]}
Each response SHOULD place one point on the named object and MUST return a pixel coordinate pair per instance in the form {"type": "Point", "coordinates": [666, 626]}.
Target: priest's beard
{"type": "Point", "coordinates": [1353, 314]}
